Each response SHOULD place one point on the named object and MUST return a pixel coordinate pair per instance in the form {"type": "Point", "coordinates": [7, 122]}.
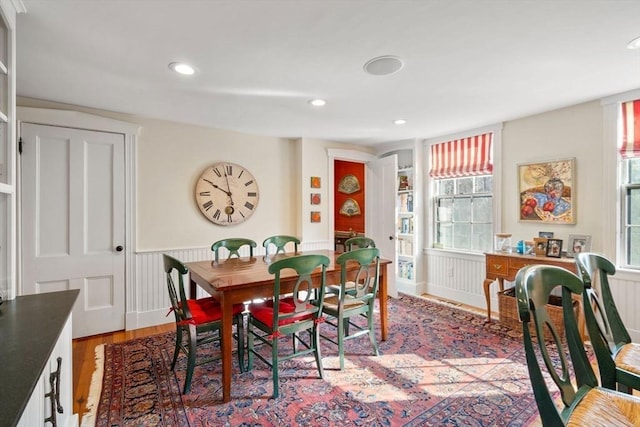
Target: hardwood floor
{"type": "Point", "coordinates": [84, 359]}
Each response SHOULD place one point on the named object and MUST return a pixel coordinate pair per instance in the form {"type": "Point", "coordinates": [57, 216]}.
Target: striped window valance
{"type": "Point", "coordinates": [630, 129]}
{"type": "Point", "coordinates": [462, 157]}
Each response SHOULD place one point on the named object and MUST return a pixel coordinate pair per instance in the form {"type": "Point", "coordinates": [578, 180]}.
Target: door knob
{"type": "Point", "coordinates": [119, 248]}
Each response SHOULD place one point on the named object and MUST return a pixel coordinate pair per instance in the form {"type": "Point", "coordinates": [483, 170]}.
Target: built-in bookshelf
{"type": "Point", "coordinates": [405, 224]}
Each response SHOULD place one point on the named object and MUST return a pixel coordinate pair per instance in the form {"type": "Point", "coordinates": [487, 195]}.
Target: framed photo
{"type": "Point", "coordinates": [554, 248]}
{"type": "Point", "coordinates": [547, 192]}
{"type": "Point", "coordinates": [540, 246]}
{"type": "Point", "coordinates": [315, 198]}
{"type": "Point", "coordinates": [315, 182]}
{"type": "Point", "coordinates": [315, 216]}
{"type": "Point", "coordinates": [546, 234]}
{"type": "Point", "coordinates": [578, 243]}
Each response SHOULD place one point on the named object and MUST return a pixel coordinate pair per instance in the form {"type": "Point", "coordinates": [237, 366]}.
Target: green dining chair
{"type": "Point", "coordinates": [350, 244]}
{"type": "Point", "coordinates": [618, 357]}
{"type": "Point", "coordinates": [356, 300]}
{"type": "Point", "coordinates": [583, 402]}
{"type": "Point", "coordinates": [360, 242]}
{"type": "Point", "coordinates": [198, 321]}
{"type": "Point", "coordinates": [232, 245]}
{"type": "Point", "coordinates": [280, 242]}
{"type": "Point", "coordinates": [288, 314]}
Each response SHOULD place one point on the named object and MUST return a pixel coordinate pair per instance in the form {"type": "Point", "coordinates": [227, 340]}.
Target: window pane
{"type": "Point", "coordinates": [634, 246]}
{"type": "Point", "coordinates": [484, 184]}
{"type": "Point", "coordinates": [445, 187]}
{"type": "Point", "coordinates": [461, 233]}
{"type": "Point", "coordinates": [482, 237]}
{"type": "Point", "coordinates": [482, 209]}
{"type": "Point", "coordinates": [462, 210]}
{"type": "Point", "coordinates": [465, 186]}
{"type": "Point", "coordinates": [634, 171]}
{"type": "Point", "coordinates": [633, 206]}
{"type": "Point", "coordinates": [445, 235]}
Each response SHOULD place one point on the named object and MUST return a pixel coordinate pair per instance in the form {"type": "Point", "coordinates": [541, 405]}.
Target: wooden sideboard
{"type": "Point", "coordinates": [503, 266]}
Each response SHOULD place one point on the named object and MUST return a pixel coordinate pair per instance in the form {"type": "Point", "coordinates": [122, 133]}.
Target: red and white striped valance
{"type": "Point", "coordinates": [630, 129]}
{"type": "Point", "coordinates": [462, 157]}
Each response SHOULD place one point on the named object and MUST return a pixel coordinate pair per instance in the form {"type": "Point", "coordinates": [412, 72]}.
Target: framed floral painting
{"type": "Point", "coordinates": [547, 192]}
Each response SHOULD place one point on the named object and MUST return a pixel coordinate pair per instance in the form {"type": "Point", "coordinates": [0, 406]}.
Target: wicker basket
{"type": "Point", "coordinates": [509, 313]}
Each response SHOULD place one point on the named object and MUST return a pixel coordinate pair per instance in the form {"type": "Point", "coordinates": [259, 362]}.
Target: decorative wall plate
{"type": "Point", "coordinates": [350, 208]}
{"type": "Point", "coordinates": [349, 184]}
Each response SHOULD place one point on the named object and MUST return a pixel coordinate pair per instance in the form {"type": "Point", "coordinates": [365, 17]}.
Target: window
{"type": "Point", "coordinates": [630, 179]}
{"type": "Point", "coordinates": [462, 184]}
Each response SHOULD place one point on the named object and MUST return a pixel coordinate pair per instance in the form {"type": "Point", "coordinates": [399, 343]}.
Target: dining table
{"type": "Point", "coordinates": [239, 280]}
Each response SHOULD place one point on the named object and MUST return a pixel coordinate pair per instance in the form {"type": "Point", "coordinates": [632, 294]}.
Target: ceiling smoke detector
{"type": "Point", "coordinates": [383, 65]}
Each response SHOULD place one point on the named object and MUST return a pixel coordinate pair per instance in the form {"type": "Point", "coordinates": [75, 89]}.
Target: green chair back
{"type": "Point", "coordinates": [534, 284]}
{"type": "Point", "coordinates": [280, 242]}
{"type": "Point", "coordinates": [233, 246]}
{"type": "Point", "coordinates": [360, 242]}
{"type": "Point", "coordinates": [607, 331]}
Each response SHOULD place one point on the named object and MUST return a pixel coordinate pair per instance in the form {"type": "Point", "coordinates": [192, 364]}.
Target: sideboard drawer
{"type": "Point", "coordinates": [497, 266]}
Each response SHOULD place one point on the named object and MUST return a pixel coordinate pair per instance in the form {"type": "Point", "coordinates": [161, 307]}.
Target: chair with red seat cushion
{"type": "Point", "coordinates": [288, 314]}
{"type": "Point", "coordinates": [198, 321]}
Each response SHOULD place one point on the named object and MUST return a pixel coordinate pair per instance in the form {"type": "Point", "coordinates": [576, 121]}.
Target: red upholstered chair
{"type": "Point", "coordinates": [288, 315]}
{"type": "Point", "coordinates": [198, 321]}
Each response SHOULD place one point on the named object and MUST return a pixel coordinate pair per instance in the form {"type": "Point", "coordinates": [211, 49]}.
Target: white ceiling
{"type": "Point", "coordinates": [468, 63]}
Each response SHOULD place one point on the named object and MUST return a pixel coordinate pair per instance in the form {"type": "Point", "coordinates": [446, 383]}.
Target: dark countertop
{"type": "Point", "coordinates": [29, 328]}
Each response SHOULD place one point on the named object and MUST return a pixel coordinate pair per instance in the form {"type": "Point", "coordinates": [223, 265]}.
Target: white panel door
{"type": "Point", "coordinates": [73, 215]}
{"type": "Point", "coordinates": [381, 203]}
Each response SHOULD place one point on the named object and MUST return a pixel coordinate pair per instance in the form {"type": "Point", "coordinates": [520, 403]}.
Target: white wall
{"type": "Point", "coordinates": [578, 132]}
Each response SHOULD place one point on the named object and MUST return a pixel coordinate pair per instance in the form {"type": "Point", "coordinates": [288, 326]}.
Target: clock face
{"type": "Point", "coordinates": [227, 193]}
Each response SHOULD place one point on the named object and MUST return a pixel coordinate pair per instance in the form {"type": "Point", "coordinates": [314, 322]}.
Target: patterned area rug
{"type": "Point", "coordinates": [441, 366]}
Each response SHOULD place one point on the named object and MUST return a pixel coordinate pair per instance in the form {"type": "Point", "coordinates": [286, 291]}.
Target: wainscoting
{"type": "Point", "coordinates": [459, 277]}
{"type": "Point", "coordinates": [148, 299]}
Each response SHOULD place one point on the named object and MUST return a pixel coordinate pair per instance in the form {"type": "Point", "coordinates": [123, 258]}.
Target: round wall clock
{"type": "Point", "coordinates": [227, 193]}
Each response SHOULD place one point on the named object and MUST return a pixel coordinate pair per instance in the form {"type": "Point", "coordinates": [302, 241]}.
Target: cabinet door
{"type": "Point", "coordinates": [39, 407]}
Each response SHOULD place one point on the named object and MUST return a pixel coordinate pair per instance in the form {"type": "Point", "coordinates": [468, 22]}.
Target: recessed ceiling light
{"type": "Point", "coordinates": [182, 68]}
{"type": "Point", "coordinates": [318, 102]}
{"type": "Point", "coordinates": [383, 65]}
{"type": "Point", "coordinates": [400, 122]}
{"type": "Point", "coordinates": [634, 44]}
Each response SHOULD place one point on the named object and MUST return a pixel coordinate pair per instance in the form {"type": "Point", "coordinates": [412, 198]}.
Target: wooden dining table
{"type": "Point", "coordinates": [238, 280]}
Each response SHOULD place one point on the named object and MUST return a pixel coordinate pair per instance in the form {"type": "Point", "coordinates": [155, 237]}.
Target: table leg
{"type": "Point", "coordinates": [227, 332]}
{"type": "Point", "coordinates": [382, 295]}
{"type": "Point", "coordinates": [487, 296]}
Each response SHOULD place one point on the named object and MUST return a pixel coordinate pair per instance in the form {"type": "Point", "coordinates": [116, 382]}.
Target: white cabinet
{"type": "Point", "coordinates": [52, 398]}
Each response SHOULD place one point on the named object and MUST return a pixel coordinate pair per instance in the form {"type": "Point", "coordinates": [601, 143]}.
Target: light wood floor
{"type": "Point", "coordinates": [84, 359]}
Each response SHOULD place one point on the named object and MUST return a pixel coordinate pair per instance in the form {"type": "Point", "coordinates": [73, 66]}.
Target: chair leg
{"type": "Point", "coordinates": [240, 338]}
{"type": "Point", "coordinates": [342, 328]}
{"type": "Point", "coordinates": [191, 358]}
{"type": "Point", "coordinates": [274, 367]}
{"type": "Point", "coordinates": [176, 351]}
{"type": "Point", "coordinates": [249, 346]}
{"type": "Point", "coordinates": [372, 335]}
{"type": "Point", "coordinates": [316, 347]}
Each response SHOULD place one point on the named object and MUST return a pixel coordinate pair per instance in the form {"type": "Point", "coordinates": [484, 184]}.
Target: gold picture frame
{"type": "Point", "coordinates": [547, 192]}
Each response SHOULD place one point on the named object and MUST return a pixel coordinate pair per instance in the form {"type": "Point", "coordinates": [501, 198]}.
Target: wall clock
{"type": "Point", "coordinates": [227, 193]}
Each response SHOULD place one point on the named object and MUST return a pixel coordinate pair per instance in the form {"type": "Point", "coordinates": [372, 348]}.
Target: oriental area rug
{"type": "Point", "coordinates": [440, 366]}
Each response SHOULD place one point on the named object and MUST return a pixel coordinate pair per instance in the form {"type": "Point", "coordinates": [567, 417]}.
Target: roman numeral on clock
{"type": "Point", "coordinates": [248, 206]}
{"type": "Point", "coordinates": [207, 205]}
